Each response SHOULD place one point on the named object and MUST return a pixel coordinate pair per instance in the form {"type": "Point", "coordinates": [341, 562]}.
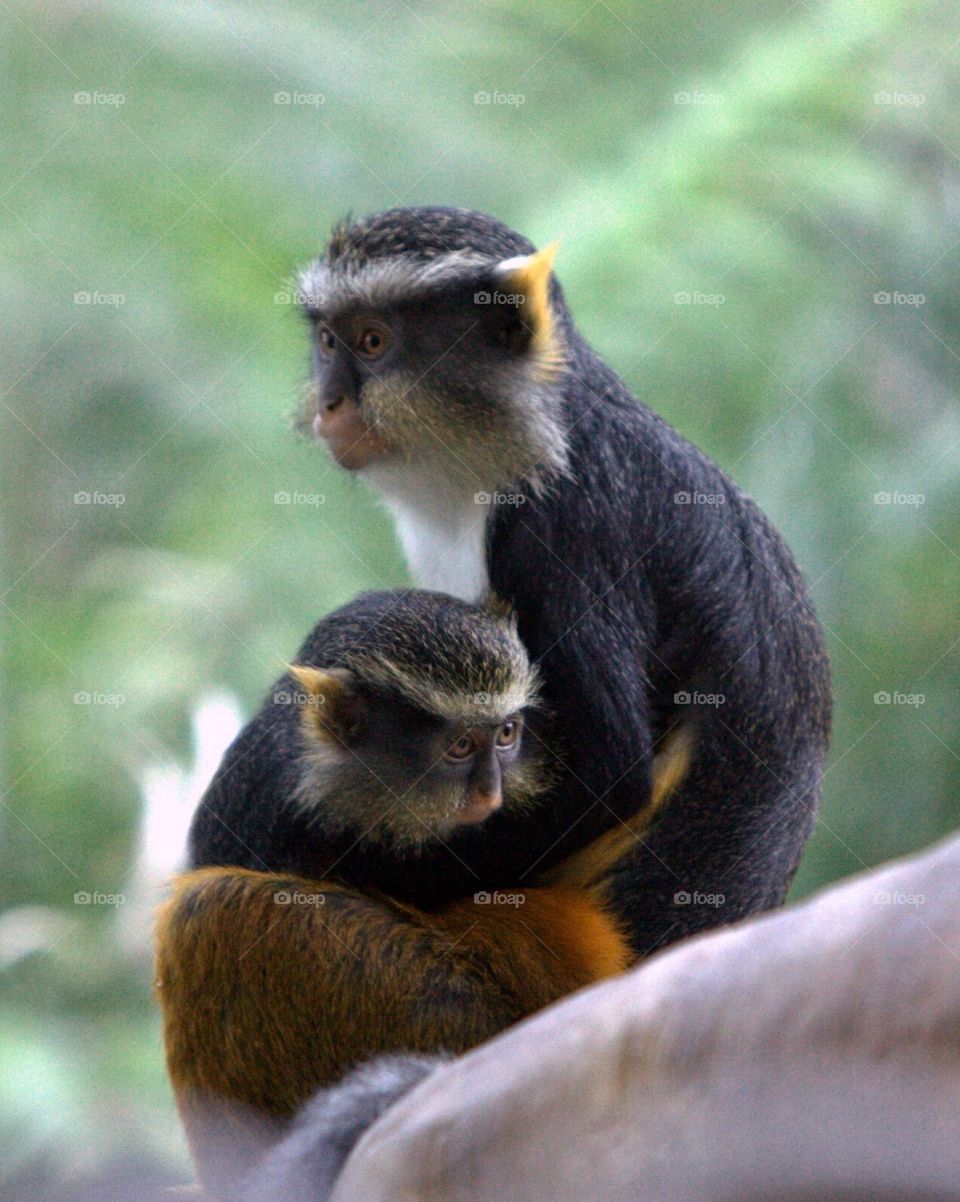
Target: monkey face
{"type": "Point", "coordinates": [451, 368]}
{"type": "Point", "coordinates": [377, 764]}
{"type": "Point", "coordinates": [434, 777]}
{"type": "Point", "coordinates": [474, 765]}
{"type": "Point", "coordinates": [347, 354]}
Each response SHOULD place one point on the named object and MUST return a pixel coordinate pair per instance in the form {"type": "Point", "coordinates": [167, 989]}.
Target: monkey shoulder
{"type": "Point", "coordinates": [648, 545]}
{"type": "Point", "coordinates": [251, 788]}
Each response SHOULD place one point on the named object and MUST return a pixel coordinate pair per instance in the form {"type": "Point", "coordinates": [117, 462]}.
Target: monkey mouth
{"type": "Point", "coordinates": [352, 442]}
{"type": "Point", "coordinates": [473, 812]}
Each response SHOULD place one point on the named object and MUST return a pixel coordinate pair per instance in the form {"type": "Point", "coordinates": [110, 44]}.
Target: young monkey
{"type": "Point", "coordinates": [399, 728]}
{"type": "Point", "coordinates": [290, 961]}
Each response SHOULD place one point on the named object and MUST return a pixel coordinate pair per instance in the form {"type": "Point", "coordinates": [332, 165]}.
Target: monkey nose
{"type": "Point", "coordinates": [484, 799]}
{"type": "Point", "coordinates": [480, 804]}
{"type": "Point", "coordinates": [330, 410]}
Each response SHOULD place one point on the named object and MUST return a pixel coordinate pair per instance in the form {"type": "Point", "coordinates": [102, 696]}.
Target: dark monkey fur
{"type": "Point", "coordinates": [448, 371]}
{"type": "Point", "coordinates": [418, 656]}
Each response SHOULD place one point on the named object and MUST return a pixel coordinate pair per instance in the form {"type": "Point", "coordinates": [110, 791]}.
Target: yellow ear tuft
{"type": "Point", "coordinates": [499, 606]}
{"type": "Point", "coordinates": [320, 686]}
{"type": "Point", "coordinates": [322, 697]}
{"type": "Point", "coordinates": [529, 276]}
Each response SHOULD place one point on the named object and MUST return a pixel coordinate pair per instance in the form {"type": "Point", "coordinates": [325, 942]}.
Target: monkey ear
{"type": "Point", "coordinates": [329, 702]}
{"type": "Point", "coordinates": [501, 608]}
{"type": "Point", "coordinates": [529, 277]}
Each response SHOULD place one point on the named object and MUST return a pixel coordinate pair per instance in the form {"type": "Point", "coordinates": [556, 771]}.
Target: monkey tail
{"type": "Point", "coordinates": [591, 866]}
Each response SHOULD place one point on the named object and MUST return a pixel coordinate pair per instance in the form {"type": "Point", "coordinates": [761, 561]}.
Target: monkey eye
{"type": "Point", "coordinates": [463, 749]}
{"type": "Point", "coordinates": [327, 340]}
{"type": "Point", "coordinates": [373, 341]}
{"type": "Point", "coordinates": [509, 733]}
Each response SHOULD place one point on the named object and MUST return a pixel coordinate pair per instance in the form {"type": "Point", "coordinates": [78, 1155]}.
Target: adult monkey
{"type": "Point", "coordinates": [448, 372]}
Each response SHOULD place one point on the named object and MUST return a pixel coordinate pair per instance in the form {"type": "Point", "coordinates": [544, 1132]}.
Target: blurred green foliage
{"type": "Point", "coordinates": [737, 186]}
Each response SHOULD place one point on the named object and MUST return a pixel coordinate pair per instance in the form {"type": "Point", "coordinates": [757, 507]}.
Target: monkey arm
{"type": "Point", "coordinates": [263, 1001]}
{"type": "Point", "coordinates": [629, 601]}
{"type": "Point", "coordinates": [596, 728]}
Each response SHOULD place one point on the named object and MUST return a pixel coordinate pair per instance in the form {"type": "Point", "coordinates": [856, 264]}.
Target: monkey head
{"type": "Point", "coordinates": [439, 339]}
{"type": "Point", "coordinates": [417, 730]}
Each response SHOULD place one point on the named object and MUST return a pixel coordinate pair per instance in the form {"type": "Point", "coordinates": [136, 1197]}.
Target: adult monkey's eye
{"type": "Point", "coordinates": [327, 341]}
{"type": "Point", "coordinates": [463, 749]}
{"type": "Point", "coordinates": [508, 733]}
{"type": "Point", "coordinates": [373, 341]}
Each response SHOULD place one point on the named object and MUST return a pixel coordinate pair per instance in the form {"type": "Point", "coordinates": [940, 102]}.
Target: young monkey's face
{"type": "Point", "coordinates": [472, 768]}
{"type": "Point", "coordinates": [388, 769]}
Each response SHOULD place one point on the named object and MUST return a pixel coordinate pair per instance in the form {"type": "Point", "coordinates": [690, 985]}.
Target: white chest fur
{"type": "Point", "coordinates": [442, 532]}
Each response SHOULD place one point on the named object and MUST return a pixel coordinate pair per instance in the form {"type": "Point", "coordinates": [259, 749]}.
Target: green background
{"type": "Point", "coordinates": [781, 165]}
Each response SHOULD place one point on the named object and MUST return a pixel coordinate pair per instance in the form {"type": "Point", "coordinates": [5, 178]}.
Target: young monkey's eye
{"type": "Point", "coordinates": [327, 341]}
{"type": "Point", "coordinates": [372, 342]}
{"type": "Point", "coordinates": [508, 733]}
{"type": "Point", "coordinates": [463, 749]}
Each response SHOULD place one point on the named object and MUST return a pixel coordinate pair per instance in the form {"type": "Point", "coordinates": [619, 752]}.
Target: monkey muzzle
{"type": "Point", "coordinates": [352, 442]}
{"type": "Point", "coordinates": [478, 807]}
